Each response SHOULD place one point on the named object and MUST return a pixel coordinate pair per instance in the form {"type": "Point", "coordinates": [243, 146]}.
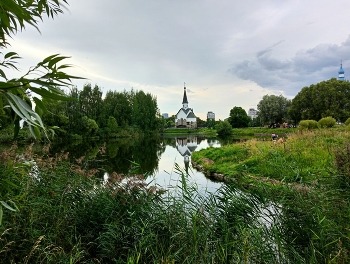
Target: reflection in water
{"type": "Point", "coordinates": [155, 156]}
{"type": "Point", "coordinates": [178, 151]}
{"type": "Point", "coordinates": [186, 146]}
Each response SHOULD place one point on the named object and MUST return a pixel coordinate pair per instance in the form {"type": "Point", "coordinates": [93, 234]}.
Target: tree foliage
{"type": "Point", "coordinates": [42, 80]}
{"type": "Point", "coordinates": [273, 109]}
{"type": "Point", "coordinates": [327, 98]}
{"type": "Point", "coordinates": [15, 14]}
{"type": "Point", "coordinates": [145, 111]}
{"type": "Point", "coordinates": [112, 124]}
{"type": "Point", "coordinates": [238, 117]}
{"type": "Point", "coordinates": [223, 128]}
{"type": "Point", "coordinates": [117, 109]}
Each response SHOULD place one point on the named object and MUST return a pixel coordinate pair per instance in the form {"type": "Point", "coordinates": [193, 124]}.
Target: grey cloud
{"type": "Point", "coordinates": [306, 67]}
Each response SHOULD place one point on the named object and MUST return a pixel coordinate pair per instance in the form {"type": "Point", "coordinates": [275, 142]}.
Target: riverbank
{"type": "Point", "coordinates": [308, 175]}
{"type": "Point", "coordinates": [236, 132]}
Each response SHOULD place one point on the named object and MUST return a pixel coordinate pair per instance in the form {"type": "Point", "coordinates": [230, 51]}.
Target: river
{"type": "Point", "coordinates": [160, 158]}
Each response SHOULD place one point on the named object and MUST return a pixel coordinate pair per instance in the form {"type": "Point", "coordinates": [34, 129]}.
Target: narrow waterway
{"type": "Point", "coordinates": [168, 175]}
{"type": "Point", "coordinates": [163, 160]}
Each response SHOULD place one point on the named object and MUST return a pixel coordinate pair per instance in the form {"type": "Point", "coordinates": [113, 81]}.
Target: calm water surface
{"type": "Point", "coordinates": [156, 157]}
{"type": "Point", "coordinates": [168, 177]}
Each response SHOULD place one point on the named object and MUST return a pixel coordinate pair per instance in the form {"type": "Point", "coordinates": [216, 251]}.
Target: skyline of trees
{"type": "Point", "coordinates": [326, 98]}
{"type": "Point", "coordinates": [92, 115]}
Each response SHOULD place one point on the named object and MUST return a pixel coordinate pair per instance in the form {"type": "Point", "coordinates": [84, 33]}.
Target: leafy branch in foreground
{"type": "Point", "coordinates": [44, 80]}
{"type": "Point", "coordinates": [15, 14]}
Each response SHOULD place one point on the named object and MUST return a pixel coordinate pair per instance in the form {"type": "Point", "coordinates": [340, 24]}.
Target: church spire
{"type": "Point", "coordinates": [184, 100]}
{"type": "Point", "coordinates": [341, 72]}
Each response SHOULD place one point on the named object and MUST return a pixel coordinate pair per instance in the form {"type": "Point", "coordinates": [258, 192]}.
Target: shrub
{"type": "Point", "coordinates": [327, 122]}
{"type": "Point", "coordinates": [347, 122]}
{"type": "Point", "coordinates": [224, 129]}
{"type": "Point", "coordinates": [308, 124]}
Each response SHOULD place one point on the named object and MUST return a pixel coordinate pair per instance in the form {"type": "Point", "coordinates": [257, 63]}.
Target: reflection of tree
{"type": "Point", "coordinates": [121, 162]}
{"type": "Point", "coordinates": [112, 149]}
{"type": "Point", "coordinates": [119, 154]}
{"type": "Point", "coordinates": [200, 139]}
{"type": "Point", "coordinates": [229, 140]}
{"type": "Point", "coordinates": [169, 142]}
{"type": "Point", "coordinates": [147, 153]}
{"type": "Point", "coordinates": [77, 149]}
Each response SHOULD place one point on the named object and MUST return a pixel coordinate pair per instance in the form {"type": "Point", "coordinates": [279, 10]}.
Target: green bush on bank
{"type": "Point", "coordinates": [223, 129]}
{"type": "Point", "coordinates": [327, 122]}
{"type": "Point", "coordinates": [308, 124]}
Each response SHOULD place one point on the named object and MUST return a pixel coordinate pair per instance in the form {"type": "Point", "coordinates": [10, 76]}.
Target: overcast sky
{"type": "Point", "coordinates": [229, 52]}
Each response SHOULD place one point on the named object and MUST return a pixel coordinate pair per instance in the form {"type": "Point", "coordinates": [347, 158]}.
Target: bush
{"type": "Point", "coordinates": [327, 122]}
{"type": "Point", "coordinates": [308, 124]}
{"type": "Point", "coordinates": [347, 122]}
{"type": "Point", "coordinates": [223, 129]}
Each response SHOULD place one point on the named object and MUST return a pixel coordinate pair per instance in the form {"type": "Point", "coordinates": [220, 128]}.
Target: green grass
{"type": "Point", "coordinates": [308, 176]}
{"type": "Point", "coordinates": [64, 218]}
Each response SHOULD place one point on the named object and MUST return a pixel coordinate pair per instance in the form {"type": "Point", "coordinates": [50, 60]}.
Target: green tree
{"type": "Point", "coordinates": [145, 111]}
{"type": "Point", "coordinates": [210, 123]}
{"type": "Point", "coordinates": [201, 123]}
{"type": "Point", "coordinates": [42, 79]}
{"type": "Point", "coordinates": [273, 109]}
{"type": "Point", "coordinates": [73, 111]}
{"type": "Point", "coordinates": [223, 128]}
{"type": "Point", "coordinates": [326, 98]}
{"type": "Point", "coordinates": [112, 124]}
{"type": "Point", "coordinates": [89, 126]}
{"type": "Point", "coordinates": [118, 105]}
{"type": "Point", "coordinates": [170, 121]}
{"type": "Point", "coordinates": [238, 117]}
{"type": "Point", "coordinates": [91, 103]}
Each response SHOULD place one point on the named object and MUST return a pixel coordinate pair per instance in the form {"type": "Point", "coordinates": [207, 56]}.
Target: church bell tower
{"type": "Point", "coordinates": [341, 72]}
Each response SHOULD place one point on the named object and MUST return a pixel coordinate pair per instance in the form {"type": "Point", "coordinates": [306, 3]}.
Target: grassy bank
{"type": "Point", "coordinates": [199, 131]}
{"type": "Point", "coordinates": [308, 176]}
{"type": "Point", "coordinates": [236, 132]}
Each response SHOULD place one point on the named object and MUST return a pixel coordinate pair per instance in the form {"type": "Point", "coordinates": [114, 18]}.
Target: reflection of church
{"type": "Point", "coordinates": [186, 146]}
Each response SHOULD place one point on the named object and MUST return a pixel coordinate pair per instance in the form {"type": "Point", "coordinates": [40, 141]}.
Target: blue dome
{"type": "Point", "coordinates": [341, 69]}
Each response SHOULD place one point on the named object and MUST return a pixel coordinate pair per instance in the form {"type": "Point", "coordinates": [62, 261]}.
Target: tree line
{"type": "Point", "coordinates": [90, 114]}
{"type": "Point", "coordinates": [330, 98]}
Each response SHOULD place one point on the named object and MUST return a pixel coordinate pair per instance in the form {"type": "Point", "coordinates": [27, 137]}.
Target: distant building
{"type": "Point", "coordinates": [165, 115]}
{"type": "Point", "coordinates": [341, 73]}
{"type": "Point", "coordinates": [211, 115]}
{"type": "Point", "coordinates": [185, 116]}
{"type": "Point", "coordinates": [252, 113]}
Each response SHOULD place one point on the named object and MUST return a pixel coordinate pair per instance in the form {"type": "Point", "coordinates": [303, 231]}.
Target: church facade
{"type": "Point", "coordinates": [185, 117]}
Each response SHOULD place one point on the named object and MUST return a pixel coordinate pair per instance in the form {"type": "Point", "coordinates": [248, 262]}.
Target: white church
{"type": "Point", "coordinates": [185, 117]}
